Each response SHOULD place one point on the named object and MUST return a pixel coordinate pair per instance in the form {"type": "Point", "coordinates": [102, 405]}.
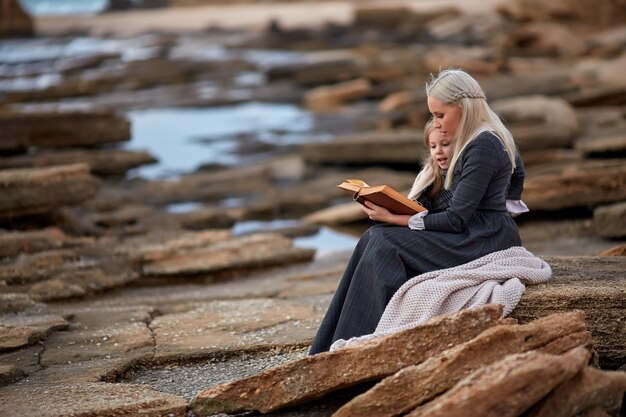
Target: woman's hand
{"type": "Point", "coordinates": [381, 214]}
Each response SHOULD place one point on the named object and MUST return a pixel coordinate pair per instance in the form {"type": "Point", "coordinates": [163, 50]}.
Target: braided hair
{"type": "Point", "coordinates": [457, 88]}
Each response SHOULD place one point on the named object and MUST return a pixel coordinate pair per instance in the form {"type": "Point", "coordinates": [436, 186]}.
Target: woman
{"type": "Point", "coordinates": [475, 221]}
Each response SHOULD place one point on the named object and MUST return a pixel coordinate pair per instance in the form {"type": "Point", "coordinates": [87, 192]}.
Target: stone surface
{"type": "Point", "coordinates": [588, 389]}
{"type": "Point", "coordinates": [89, 400]}
{"type": "Point", "coordinates": [602, 145]}
{"type": "Point", "coordinates": [21, 131]}
{"type": "Point", "coordinates": [39, 190]}
{"type": "Point", "coordinates": [14, 21]}
{"type": "Point", "coordinates": [249, 252]}
{"type": "Point", "coordinates": [417, 384]}
{"type": "Point", "coordinates": [610, 221]}
{"type": "Point", "coordinates": [14, 243]}
{"type": "Point", "coordinates": [594, 285]}
{"type": "Point", "coordinates": [508, 387]}
{"type": "Point", "coordinates": [17, 331]}
{"type": "Point", "coordinates": [105, 162]}
{"type": "Point", "coordinates": [314, 376]}
{"type": "Point", "coordinates": [327, 98]}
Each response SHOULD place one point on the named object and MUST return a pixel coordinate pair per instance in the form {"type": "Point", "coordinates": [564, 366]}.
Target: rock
{"type": "Point", "coordinates": [17, 302]}
{"type": "Point", "coordinates": [598, 95]}
{"type": "Point", "coordinates": [10, 374]}
{"type": "Point", "coordinates": [237, 325]}
{"type": "Point", "coordinates": [24, 130]}
{"type": "Point", "coordinates": [329, 97]}
{"type": "Point", "coordinates": [508, 387]}
{"type": "Point", "coordinates": [478, 61]}
{"type": "Point", "coordinates": [616, 251]}
{"type": "Point", "coordinates": [314, 376]}
{"type": "Point", "coordinates": [387, 16]}
{"type": "Point", "coordinates": [602, 145]}
{"type": "Point", "coordinates": [587, 12]}
{"type": "Point", "coordinates": [610, 221]}
{"type": "Point", "coordinates": [367, 148]}
{"type": "Point", "coordinates": [539, 122]}
{"type": "Point", "coordinates": [90, 399]}
{"type": "Point", "coordinates": [588, 389]}
{"type": "Point", "coordinates": [106, 162]}
{"type": "Point", "coordinates": [546, 39]}
{"type": "Point", "coordinates": [18, 331]}
{"type": "Point", "coordinates": [338, 214]}
{"type": "Point", "coordinates": [249, 252]}
{"type": "Point", "coordinates": [595, 186]}
{"type": "Point", "coordinates": [14, 21]}
{"type": "Point", "coordinates": [14, 243]}
{"type": "Point", "coordinates": [39, 190]}
{"type": "Point", "coordinates": [417, 384]}
{"type": "Point", "coordinates": [548, 83]}
{"type": "Point", "coordinates": [591, 284]}
{"type": "Point", "coordinates": [317, 68]}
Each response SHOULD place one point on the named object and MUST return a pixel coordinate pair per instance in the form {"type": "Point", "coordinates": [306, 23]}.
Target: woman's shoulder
{"type": "Point", "coordinates": [485, 141]}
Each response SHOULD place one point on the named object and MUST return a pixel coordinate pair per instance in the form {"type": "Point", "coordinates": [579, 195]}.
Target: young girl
{"type": "Point", "coordinates": [474, 222]}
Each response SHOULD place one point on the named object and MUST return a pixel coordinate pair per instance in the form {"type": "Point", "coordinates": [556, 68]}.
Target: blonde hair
{"type": "Point", "coordinates": [457, 88]}
{"type": "Point", "coordinates": [430, 173]}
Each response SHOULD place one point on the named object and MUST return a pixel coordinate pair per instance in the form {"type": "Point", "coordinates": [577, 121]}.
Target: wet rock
{"type": "Point", "coordinates": [14, 21]}
{"type": "Point", "coordinates": [591, 284]}
{"type": "Point", "coordinates": [90, 400]}
{"type": "Point", "coordinates": [508, 387]}
{"type": "Point", "coordinates": [39, 190]}
{"type": "Point", "coordinates": [588, 389]}
{"type": "Point", "coordinates": [23, 130]}
{"type": "Point", "coordinates": [610, 221]}
{"type": "Point", "coordinates": [249, 252]}
{"type": "Point", "coordinates": [18, 330]}
{"type": "Point", "coordinates": [314, 376]}
{"type": "Point", "coordinates": [318, 68]}
{"type": "Point", "coordinates": [418, 384]}
{"type": "Point", "coordinates": [539, 122]}
{"type": "Point", "coordinates": [101, 162]}
{"type": "Point", "coordinates": [329, 97]}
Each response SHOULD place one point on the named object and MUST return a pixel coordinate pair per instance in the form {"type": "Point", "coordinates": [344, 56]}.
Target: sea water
{"type": "Point", "coordinates": [63, 7]}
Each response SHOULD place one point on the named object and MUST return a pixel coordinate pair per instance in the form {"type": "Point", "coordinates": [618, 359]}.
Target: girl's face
{"type": "Point", "coordinates": [446, 117]}
{"type": "Point", "coordinates": [440, 149]}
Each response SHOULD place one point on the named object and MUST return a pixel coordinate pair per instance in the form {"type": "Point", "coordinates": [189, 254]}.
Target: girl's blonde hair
{"type": "Point", "coordinates": [457, 88]}
{"type": "Point", "coordinates": [430, 173]}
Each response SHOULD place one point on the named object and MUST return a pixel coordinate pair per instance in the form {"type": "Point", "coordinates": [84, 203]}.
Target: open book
{"type": "Point", "coordinates": [381, 195]}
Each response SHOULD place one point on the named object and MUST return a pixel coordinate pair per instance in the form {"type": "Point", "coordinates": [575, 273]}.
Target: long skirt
{"type": "Point", "coordinates": [387, 256]}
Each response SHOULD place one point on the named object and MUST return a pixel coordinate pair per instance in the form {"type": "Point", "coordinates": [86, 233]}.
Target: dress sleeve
{"type": "Point", "coordinates": [479, 163]}
{"type": "Point", "coordinates": [517, 180]}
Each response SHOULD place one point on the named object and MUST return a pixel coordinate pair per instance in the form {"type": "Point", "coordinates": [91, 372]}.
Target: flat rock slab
{"type": "Point", "coordinates": [610, 221]}
{"type": "Point", "coordinates": [40, 190]}
{"type": "Point", "coordinates": [105, 162]}
{"type": "Point", "coordinates": [595, 285]}
{"type": "Point", "coordinates": [246, 252]}
{"type": "Point", "coordinates": [314, 376]}
{"type": "Point", "coordinates": [17, 331]}
{"type": "Point", "coordinates": [14, 243]}
{"type": "Point", "coordinates": [368, 148]}
{"type": "Point", "coordinates": [232, 326]}
{"type": "Point", "coordinates": [21, 131]}
{"type": "Point", "coordinates": [89, 400]}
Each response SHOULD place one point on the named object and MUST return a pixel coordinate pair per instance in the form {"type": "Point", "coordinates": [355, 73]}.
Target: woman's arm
{"type": "Point", "coordinates": [480, 162]}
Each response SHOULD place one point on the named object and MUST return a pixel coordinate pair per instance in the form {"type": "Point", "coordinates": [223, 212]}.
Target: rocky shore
{"type": "Point", "coordinates": [114, 303]}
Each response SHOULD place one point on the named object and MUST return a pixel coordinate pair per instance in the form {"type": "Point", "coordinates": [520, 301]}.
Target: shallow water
{"type": "Point", "coordinates": [183, 139]}
{"type": "Point", "coordinates": [63, 7]}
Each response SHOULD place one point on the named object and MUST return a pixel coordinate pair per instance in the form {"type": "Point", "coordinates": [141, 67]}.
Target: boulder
{"type": "Point", "coordinates": [602, 144]}
{"type": "Point", "coordinates": [610, 221]}
{"type": "Point", "coordinates": [329, 97]}
{"type": "Point", "coordinates": [477, 60]}
{"type": "Point", "coordinates": [19, 330]}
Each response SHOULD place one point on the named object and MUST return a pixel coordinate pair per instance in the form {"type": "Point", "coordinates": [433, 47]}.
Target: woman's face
{"type": "Point", "coordinates": [440, 149]}
{"type": "Point", "coordinates": [446, 117]}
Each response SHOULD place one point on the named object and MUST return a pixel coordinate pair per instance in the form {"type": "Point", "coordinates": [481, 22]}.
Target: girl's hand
{"type": "Point", "coordinates": [381, 214]}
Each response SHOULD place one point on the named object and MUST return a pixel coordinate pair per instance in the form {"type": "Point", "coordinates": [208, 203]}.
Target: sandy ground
{"type": "Point", "coordinates": [250, 16]}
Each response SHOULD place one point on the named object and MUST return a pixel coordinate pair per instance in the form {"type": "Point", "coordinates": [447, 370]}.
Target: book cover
{"type": "Point", "coordinates": [381, 195]}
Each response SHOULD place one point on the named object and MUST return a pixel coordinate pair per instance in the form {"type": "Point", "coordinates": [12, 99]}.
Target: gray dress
{"type": "Point", "coordinates": [474, 224]}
